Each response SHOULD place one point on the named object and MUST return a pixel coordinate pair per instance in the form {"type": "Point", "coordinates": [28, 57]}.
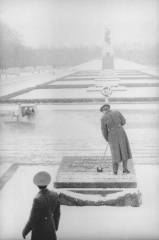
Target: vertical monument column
{"type": "Point", "coordinates": [108, 52]}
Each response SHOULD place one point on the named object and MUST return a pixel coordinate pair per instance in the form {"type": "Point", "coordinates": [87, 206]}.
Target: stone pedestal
{"type": "Point", "coordinates": [107, 57]}
{"type": "Point", "coordinates": [108, 62]}
{"type": "Point", "coordinates": [81, 172]}
{"type": "Point", "coordinates": [79, 184]}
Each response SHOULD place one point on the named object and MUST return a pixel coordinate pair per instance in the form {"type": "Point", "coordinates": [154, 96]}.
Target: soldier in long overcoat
{"type": "Point", "coordinates": [115, 135]}
{"type": "Point", "coordinates": [45, 213]}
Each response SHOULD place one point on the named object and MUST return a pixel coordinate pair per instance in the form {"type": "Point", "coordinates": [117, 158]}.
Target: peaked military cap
{"type": "Point", "coordinates": [105, 105]}
{"type": "Point", "coordinates": [42, 179]}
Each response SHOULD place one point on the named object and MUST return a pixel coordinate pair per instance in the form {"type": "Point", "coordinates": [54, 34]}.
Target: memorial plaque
{"type": "Point", "coordinates": [81, 172]}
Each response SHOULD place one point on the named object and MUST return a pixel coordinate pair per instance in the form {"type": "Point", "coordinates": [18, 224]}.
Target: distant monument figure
{"type": "Point", "coordinates": [108, 52]}
{"type": "Point", "coordinates": [107, 36]}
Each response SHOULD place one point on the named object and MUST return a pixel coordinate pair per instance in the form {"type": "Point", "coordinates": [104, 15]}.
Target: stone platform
{"type": "Point", "coordinates": [81, 172]}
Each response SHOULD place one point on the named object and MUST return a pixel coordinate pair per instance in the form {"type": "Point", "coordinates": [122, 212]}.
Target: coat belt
{"type": "Point", "coordinates": [116, 126]}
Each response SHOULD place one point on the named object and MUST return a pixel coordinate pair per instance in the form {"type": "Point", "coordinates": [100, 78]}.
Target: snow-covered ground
{"type": "Point", "coordinates": [23, 82]}
{"type": "Point", "coordinates": [82, 223]}
{"type": "Point", "coordinates": [136, 92]}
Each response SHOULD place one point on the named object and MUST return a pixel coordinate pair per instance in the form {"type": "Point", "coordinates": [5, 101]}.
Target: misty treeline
{"type": "Point", "coordinates": [13, 52]}
{"type": "Point", "coordinates": [146, 54]}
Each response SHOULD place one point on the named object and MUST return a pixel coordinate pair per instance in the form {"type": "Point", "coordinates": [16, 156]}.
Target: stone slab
{"type": "Point", "coordinates": [128, 73]}
{"type": "Point", "coordinates": [114, 88]}
{"type": "Point", "coordinates": [107, 78]}
{"type": "Point", "coordinates": [82, 82]}
{"type": "Point", "coordinates": [107, 73]}
{"type": "Point", "coordinates": [81, 172]}
{"type": "Point", "coordinates": [81, 77]}
{"type": "Point", "coordinates": [112, 84]}
{"type": "Point", "coordinates": [140, 81]}
{"type": "Point", "coordinates": [142, 76]}
{"type": "Point", "coordinates": [86, 74]}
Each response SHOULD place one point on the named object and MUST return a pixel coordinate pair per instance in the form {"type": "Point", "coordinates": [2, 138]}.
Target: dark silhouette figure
{"type": "Point", "coordinates": [107, 36]}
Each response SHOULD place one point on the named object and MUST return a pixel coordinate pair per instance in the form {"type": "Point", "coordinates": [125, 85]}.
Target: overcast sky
{"type": "Point", "coordinates": [82, 22]}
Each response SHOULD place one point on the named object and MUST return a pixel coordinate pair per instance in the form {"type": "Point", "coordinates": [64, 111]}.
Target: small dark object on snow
{"type": "Point", "coordinates": [99, 169]}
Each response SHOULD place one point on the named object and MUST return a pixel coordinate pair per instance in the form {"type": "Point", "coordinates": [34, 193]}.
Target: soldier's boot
{"type": "Point", "coordinates": [115, 168]}
{"type": "Point", "coordinates": [125, 170]}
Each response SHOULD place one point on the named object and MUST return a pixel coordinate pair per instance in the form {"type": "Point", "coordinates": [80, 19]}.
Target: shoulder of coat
{"type": "Point", "coordinates": [54, 193]}
{"type": "Point", "coordinates": [104, 116]}
{"type": "Point", "coordinates": [41, 193]}
{"type": "Point", "coordinates": [37, 198]}
{"type": "Point", "coordinates": [115, 111]}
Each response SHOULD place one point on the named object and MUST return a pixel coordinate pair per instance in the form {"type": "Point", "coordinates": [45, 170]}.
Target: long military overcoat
{"type": "Point", "coordinates": [114, 133]}
{"type": "Point", "coordinates": [44, 216]}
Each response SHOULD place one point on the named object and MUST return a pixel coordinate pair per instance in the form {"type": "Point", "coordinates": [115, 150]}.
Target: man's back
{"type": "Point", "coordinates": [112, 118]}
{"type": "Point", "coordinates": [44, 216]}
{"type": "Point", "coordinates": [48, 201]}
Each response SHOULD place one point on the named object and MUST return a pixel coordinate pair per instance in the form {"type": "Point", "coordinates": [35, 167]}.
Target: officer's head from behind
{"type": "Point", "coordinates": [42, 179]}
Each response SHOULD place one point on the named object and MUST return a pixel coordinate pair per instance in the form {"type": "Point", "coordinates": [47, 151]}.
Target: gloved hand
{"type": "Point", "coordinates": [23, 235]}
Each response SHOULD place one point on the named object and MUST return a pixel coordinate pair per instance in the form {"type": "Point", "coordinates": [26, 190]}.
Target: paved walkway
{"type": "Point", "coordinates": [62, 133]}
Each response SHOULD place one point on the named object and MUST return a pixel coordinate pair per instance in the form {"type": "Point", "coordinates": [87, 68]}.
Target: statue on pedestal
{"type": "Point", "coordinates": [107, 36]}
{"type": "Point", "coordinates": [107, 52]}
